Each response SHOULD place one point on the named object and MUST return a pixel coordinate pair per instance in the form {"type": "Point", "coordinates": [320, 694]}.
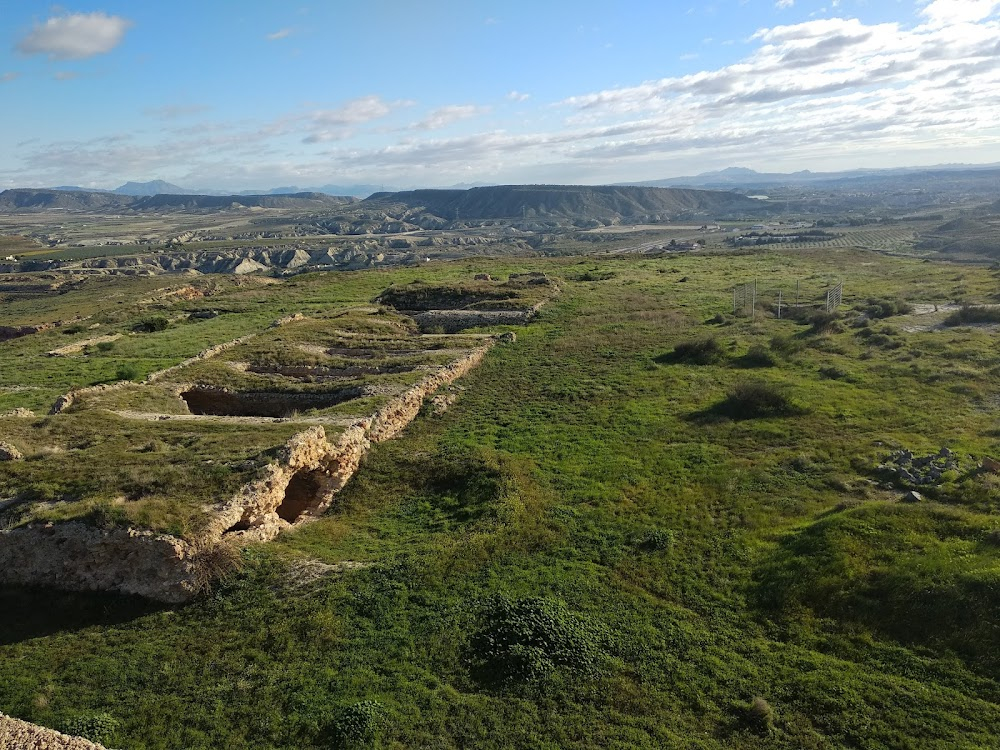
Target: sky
{"type": "Point", "coordinates": [256, 94]}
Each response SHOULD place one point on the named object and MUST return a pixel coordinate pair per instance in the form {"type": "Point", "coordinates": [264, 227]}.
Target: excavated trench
{"type": "Point", "coordinates": [320, 374]}
{"type": "Point", "coordinates": [223, 403]}
{"type": "Point", "coordinates": [354, 353]}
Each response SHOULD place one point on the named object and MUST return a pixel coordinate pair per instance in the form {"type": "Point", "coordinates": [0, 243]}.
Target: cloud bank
{"type": "Point", "coordinates": [835, 92]}
{"type": "Point", "coordinates": [75, 36]}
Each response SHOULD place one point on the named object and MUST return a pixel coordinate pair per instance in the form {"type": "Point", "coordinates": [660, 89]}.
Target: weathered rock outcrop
{"type": "Point", "coordinates": [20, 735]}
{"type": "Point", "coordinates": [80, 557]}
{"type": "Point", "coordinates": [309, 472]}
{"type": "Point", "coordinates": [16, 332]}
{"type": "Point", "coordinates": [9, 452]}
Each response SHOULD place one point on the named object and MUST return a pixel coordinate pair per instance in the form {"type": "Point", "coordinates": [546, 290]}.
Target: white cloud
{"type": "Point", "coordinates": [444, 116]}
{"type": "Point", "coordinates": [280, 34]}
{"type": "Point", "coordinates": [944, 12]}
{"type": "Point", "coordinates": [5, 77]}
{"type": "Point", "coordinates": [337, 124]}
{"type": "Point", "coordinates": [782, 4]}
{"type": "Point", "coordinates": [518, 96]}
{"type": "Point", "coordinates": [75, 36]}
{"type": "Point", "coordinates": [65, 75]}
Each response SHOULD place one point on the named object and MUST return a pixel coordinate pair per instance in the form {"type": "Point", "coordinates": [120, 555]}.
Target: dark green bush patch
{"type": "Point", "coordinates": [884, 308]}
{"type": "Point", "coordinates": [152, 324]}
{"type": "Point", "coordinates": [529, 639]}
{"type": "Point", "coordinates": [360, 725]}
{"type": "Point", "coordinates": [757, 355]}
{"type": "Point", "coordinates": [754, 399]}
{"type": "Point", "coordinates": [703, 351]}
{"type": "Point", "coordinates": [101, 728]}
{"type": "Point", "coordinates": [973, 314]}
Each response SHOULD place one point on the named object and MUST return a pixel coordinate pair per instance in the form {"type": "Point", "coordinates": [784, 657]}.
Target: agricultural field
{"type": "Point", "coordinates": [648, 522]}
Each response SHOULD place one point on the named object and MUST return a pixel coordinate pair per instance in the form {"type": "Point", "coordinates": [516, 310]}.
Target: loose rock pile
{"type": "Point", "coordinates": [9, 452]}
{"type": "Point", "coordinates": [908, 469]}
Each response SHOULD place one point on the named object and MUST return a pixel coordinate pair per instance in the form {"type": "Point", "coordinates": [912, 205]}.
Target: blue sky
{"type": "Point", "coordinates": [243, 95]}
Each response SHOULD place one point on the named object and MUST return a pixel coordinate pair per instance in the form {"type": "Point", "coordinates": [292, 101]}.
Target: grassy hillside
{"type": "Point", "coordinates": [592, 548]}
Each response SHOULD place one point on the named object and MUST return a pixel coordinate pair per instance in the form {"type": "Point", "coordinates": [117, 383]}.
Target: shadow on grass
{"type": "Point", "coordinates": [27, 613]}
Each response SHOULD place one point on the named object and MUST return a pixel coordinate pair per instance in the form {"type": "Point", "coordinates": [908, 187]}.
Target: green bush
{"type": "Point", "coordinates": [105, 346]}
{"type": "Point", "coordinates": [785, 345]}
{"type": "Point", "coordinates": [100, 727]}
{"type": "Point", "coordinates": [971, 314]}
{"type": "Point", "coordinates": [657, 540]}
{"type": "Point", "coordinates": [823, 321]}
{"type": "Point", "coordinates": [704, 351]}
{"type": "Point", "coordinates": [529, 639]}
{"type": "Point", "coordinates": [834, 373]}
{"type": "Point", "coordinates": [127, 371]}
{"type": "Point", "coordinates": [758, 356]}
{"type": "Point", "coordinates": [760, 715]}
{"type": "Point", "coordinates": [884, 308]}
{"type": "Point", "coordinates": [152, 325]}
{"type": "Point", "coordinates": [360, 725]}
{"type": "Point", "coordinates": [752, 399]}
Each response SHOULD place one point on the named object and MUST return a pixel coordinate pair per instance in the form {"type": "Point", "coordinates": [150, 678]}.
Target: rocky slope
{"type": "Point", "coordinates": [580, 202]}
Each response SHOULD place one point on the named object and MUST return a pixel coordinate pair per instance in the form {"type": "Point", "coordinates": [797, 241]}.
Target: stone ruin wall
{"type": "Point", "coordinates": [300, 486]}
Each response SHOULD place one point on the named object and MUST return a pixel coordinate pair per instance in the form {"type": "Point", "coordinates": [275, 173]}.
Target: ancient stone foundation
{"type": "Point", "coordinates": [300, 485]}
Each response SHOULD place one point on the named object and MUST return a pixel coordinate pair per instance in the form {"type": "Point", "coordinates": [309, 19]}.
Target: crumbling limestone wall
{"type": "Point", "coordinates": [76, 556]}
{"type": "Point", "coordinates": [20, 735]}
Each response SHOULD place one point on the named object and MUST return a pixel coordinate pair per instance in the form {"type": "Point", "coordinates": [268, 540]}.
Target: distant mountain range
{"type": "Point", "coordinates": [741, 177]}
{"type": "Point", "coordinates": [161, 187]}
{"type": "Point", "coordinates": [28, 199]}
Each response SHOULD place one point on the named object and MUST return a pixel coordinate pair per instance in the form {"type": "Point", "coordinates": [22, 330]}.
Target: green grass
{"type": "Point", "coordinates": [572, 505]}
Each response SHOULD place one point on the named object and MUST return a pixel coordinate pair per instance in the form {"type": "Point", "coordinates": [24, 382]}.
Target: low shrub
{"type": "Point", "coordinates": [152, 325]}
{"type": "Point", "coordinates": [704, 351]}
{"type": "Point", "coordinates": [971, 314]}
{"type": "Point", "coordinates": [105, 346]}
{"type": "Point", "coordinates": [834, 373]}
{"type": "Point", "coordinates": [656, 540]}
{"type": "Point", "coordinates": [785, 345]}
{"type": "Point", "coordinates": [360, 725]}
{"type": "Point", "coordinates": [759, 715]}
{"type": "Point", "coordinates": [758, 356]}
{"type": "Point", "coordinates": [98, 727]}
{"type": "Point", "coordinates": [525, 640]}
{"type": "Point", "coordinates": [751, 399]}
{"type": "Point", "coordinates": [884, 308]}
{"type": "Point", "coordinates": [823, 321]}
{"type": "Point", "coordinates": [127, 371]}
